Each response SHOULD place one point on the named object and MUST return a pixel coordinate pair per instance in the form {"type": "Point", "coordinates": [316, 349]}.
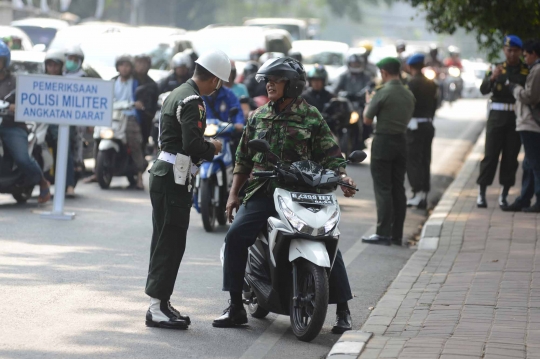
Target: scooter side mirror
{"type": "Point", "coordinates": [357, 156]}
{"type": "Point", "coordinates": [233, 112]}
{"type": "Point", "coordinates": [259, 145]}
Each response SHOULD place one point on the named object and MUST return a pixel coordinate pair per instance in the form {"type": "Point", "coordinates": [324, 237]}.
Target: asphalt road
{"type": "Point", "coordinates": [76, 289]}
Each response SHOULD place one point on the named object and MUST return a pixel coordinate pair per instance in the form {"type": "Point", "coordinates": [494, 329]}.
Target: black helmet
{"type": "Point", "coordinates": [123, 58]}
{"type": "Point", "coordinates": [401, 45]}
{"type": "Point", "coordinates": [288, 68]}
{"type": "Point", "coordinates": [251, 68]}
{"type": "Point", "coordinates": [318, 72]}
{"type": "Point", "coordinates": [355, 58]}
{"type": "Point", "coordinates": [296, 55]}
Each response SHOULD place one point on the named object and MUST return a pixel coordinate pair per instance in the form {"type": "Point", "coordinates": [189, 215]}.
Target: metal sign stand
{"type": "Point", "coordinates": [60, 177]}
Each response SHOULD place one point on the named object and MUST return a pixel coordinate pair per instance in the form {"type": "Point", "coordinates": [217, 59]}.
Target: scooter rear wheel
{"type": "Point", "coordinates": [23, 197]}
{"type": "Point", "coordinates": [307, 318]}
{"type": "Point", "coordinates": [254, 309]}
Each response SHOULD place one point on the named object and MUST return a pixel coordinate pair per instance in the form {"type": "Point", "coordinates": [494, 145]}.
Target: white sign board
{"type": "Point", "coordinates": [79, 101]}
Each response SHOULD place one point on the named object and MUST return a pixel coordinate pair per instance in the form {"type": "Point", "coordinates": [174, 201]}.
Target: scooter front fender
{"type": "Point", "coordinates": [313, 251]}
{"type": "Point", "coordinates": [105, 145]}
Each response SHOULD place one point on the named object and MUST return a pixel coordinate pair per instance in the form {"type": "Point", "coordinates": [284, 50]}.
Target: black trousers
{"type": "Point", "coordinates": [248, 222]}
{"type": "Point", "coordinates": [501, 139]}
{"type": "Point", "coordinates": [171, 206]}
{"type": "Point", "coordinates": [419, 156]}
{"type": "Point", "coordinates": [388, 166]}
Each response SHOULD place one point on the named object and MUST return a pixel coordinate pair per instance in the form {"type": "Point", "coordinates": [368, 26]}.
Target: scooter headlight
{"type": "Point", "coordinates": [295, 221]}
{"type": "Point", "coordinates": [454, 71]}
{"type": "Point", "coordinates": [331, 223]}
{"type": "Point", "coordinates": [210, 130]}
{"type": "Point", "coordinates": [106, 134]}
{"type": "Point", "coordinates": [354, 118]}
{"type": "Point", "coordinates": [430, 74]}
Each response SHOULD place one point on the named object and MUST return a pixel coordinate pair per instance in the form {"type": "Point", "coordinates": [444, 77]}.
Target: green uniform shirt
{"type": "Point", "coordinates": [499, 89]}
{"type": "Point", "coordinates": [187, 135]}
{"type": "Point", "coordinates": [297, 133]}
{"type": "Point", "coordinates": [393, 105]}
{"type": "Point", "coordinates": [425, 93]}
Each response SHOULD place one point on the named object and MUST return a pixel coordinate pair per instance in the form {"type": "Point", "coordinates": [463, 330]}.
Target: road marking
{"type": "Point", "coordinates": [266, 341]}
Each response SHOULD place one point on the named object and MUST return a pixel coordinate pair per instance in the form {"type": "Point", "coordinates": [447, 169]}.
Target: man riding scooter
{"type": "Point", "coordinates": [316, 94]}
{"type": "Point", "coordinates": [14, 135]}
{"type": "Point", "coordinates": [181, 66]}
{"type": "Point", "coordinates": [295, 131]}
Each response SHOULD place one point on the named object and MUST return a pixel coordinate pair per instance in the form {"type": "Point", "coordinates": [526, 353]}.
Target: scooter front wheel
{"type": "Point", "coordinates": [104, 168]}
{"type": "Point", "coordinates": [308, 311]}
{"type": "Point", "coordinates": [208, 209]}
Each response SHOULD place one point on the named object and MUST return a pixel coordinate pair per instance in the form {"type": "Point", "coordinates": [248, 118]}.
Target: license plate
{"type": "Point", "coordinates": [312, 198]}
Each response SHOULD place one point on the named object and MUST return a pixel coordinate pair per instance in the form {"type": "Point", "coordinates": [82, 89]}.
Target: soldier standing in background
{"type": "Point", "coordinates": [393, 105]}
{"type": "Point", "coordinates": [420, 131]}
{"type": "Point", "coordinates": [501, 136]}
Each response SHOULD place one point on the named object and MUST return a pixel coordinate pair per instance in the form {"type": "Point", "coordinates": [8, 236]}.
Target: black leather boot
{"type": "Point", "coordinates": [481, 201]}
{"type": "Point", "coordinates": [176, 312]}
{"type": "Point", "coordinates": [503, 197]}
{"type": "Point", "coordinates": [343, 322]}
{"type": "Point", "coordinates": [233, 316]}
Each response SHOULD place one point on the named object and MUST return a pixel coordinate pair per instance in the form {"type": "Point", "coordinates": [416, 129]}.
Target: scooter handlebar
{"type": "Point", "coordinates": [264, 174]}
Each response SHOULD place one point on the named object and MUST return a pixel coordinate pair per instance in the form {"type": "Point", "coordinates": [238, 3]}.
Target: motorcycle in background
{"type": "Point", "coordinates": [12, 180]}
{"type": "Point", "coordinates": [154, 146]}
{"type": "Point", "coordinates": [113, 158]}
{"type": "Point", "coordinates": [214, 180]}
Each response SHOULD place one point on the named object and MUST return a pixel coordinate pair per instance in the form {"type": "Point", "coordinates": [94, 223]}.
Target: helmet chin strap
{"type": "Point", "coordinates": [218, 86]}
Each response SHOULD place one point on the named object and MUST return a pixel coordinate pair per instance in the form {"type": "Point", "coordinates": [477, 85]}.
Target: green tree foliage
{"type": "Point", "coordinates": [490, 20]}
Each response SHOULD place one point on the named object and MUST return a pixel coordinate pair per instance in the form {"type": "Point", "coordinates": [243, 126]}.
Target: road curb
{"type": "Point", "coordinates": [431, 232]}
{"type": "Point", "coordinates": [351, 344]}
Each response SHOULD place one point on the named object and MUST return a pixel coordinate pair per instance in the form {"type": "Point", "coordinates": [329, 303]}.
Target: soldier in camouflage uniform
{"type": "Point", "coordinates": [181, 142]}
{"type": "Point", "coordinates": [501, 136]}
{"type": "Point", "coordinates": [295, 131]}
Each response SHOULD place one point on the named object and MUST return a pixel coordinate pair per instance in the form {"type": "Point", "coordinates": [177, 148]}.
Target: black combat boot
{"type": "Point", "coordinates": [481, 201]}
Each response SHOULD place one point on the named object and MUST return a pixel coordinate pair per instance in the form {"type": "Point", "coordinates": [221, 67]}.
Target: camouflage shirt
{"type": "Point", "coordinates": [297, 133]}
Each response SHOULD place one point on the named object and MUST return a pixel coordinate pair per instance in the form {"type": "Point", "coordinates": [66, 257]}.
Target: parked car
{"type": "Point", "coordinates": [11, 32]}
{"type": "Point", "coordinates": [27, 62]}
{"type": "Point", "coordinates": [300, 29]}
{"type": "Point", "coordinates": [40, 30]}
{"type": "Point", "coordinates": [331, 54]}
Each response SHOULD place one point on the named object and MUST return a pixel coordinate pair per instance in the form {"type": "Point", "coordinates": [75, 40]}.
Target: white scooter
{"type": "Point", "coordinates": [113, 158]}
{"type": "Point", "coordinates": [289, 264]}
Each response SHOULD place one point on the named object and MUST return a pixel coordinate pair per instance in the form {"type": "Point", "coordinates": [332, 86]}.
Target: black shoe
{"type": "Point", "coordinates": [233, 316]}
{"type": "Point", "coordinates": [376, 239]}
{"type": "Point", "coordinates": [176, 312]}
{"type": "Point", "coordinates": [514, 207]}
{"type": "Point", "coordinates": [481, 201]}
{"type": "Point", "coordinates": [532, 209]}
{"type": "Point", "coordinates": [503, 202]}
{"type": "Point", "coordinates": [343, 322]}
{"type": "Point", "coordinates": [160, 316]}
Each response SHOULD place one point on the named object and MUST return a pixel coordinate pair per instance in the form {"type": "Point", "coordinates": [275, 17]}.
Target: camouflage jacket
{"type": "Point", "coordinates": [298, 133]}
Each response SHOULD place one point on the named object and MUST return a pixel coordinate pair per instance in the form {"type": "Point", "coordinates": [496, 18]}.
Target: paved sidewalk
{"type": "Point", "coordinates": [476, 296]}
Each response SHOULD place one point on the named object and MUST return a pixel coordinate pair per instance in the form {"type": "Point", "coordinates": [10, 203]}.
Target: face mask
{"type": "Point", "coordinates": [72, 66]}
{"type": "Point", "coordinates": [355, 70]}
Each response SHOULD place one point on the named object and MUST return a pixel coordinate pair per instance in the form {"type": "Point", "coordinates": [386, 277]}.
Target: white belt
{"type": "Point", "coordinates": [422, 119]}
{"type": "Point", "coordinates": [498, 106]}
{"type": "Point", "coordinates": [167, 157]}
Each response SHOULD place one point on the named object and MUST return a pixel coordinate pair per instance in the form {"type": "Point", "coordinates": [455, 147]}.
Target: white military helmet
{"type": "Point", "coordinates": [75, 50]}
{"type": "Point", "coordinates": [181, 59]}
{"type": "Point", "coordinates": [57, 56]}
{"type": "Point", "coordinates": [217, 63]}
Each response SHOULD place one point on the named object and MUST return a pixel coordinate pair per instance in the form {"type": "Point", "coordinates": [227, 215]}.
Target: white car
{"type": "Point", "coordinates": [331, 54]}
{"type": "Point", "coordinates": [40, 30]}
{"type": "Point", "coordinates": [473, 74]}
{"type": "Point", "coordinates": [10, 31]}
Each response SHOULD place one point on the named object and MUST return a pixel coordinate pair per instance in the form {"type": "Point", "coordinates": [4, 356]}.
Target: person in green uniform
{"type": "Point", "coordinates": [295, 131]}
{"type": "Point", "coordinates": [420, 131]}
{"type": "Point", "coordinates": [182, 145]}
{"type": "Point", "coordinates": [501, 136]}
{"type": "Point", "coordinates": [393, 105]}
